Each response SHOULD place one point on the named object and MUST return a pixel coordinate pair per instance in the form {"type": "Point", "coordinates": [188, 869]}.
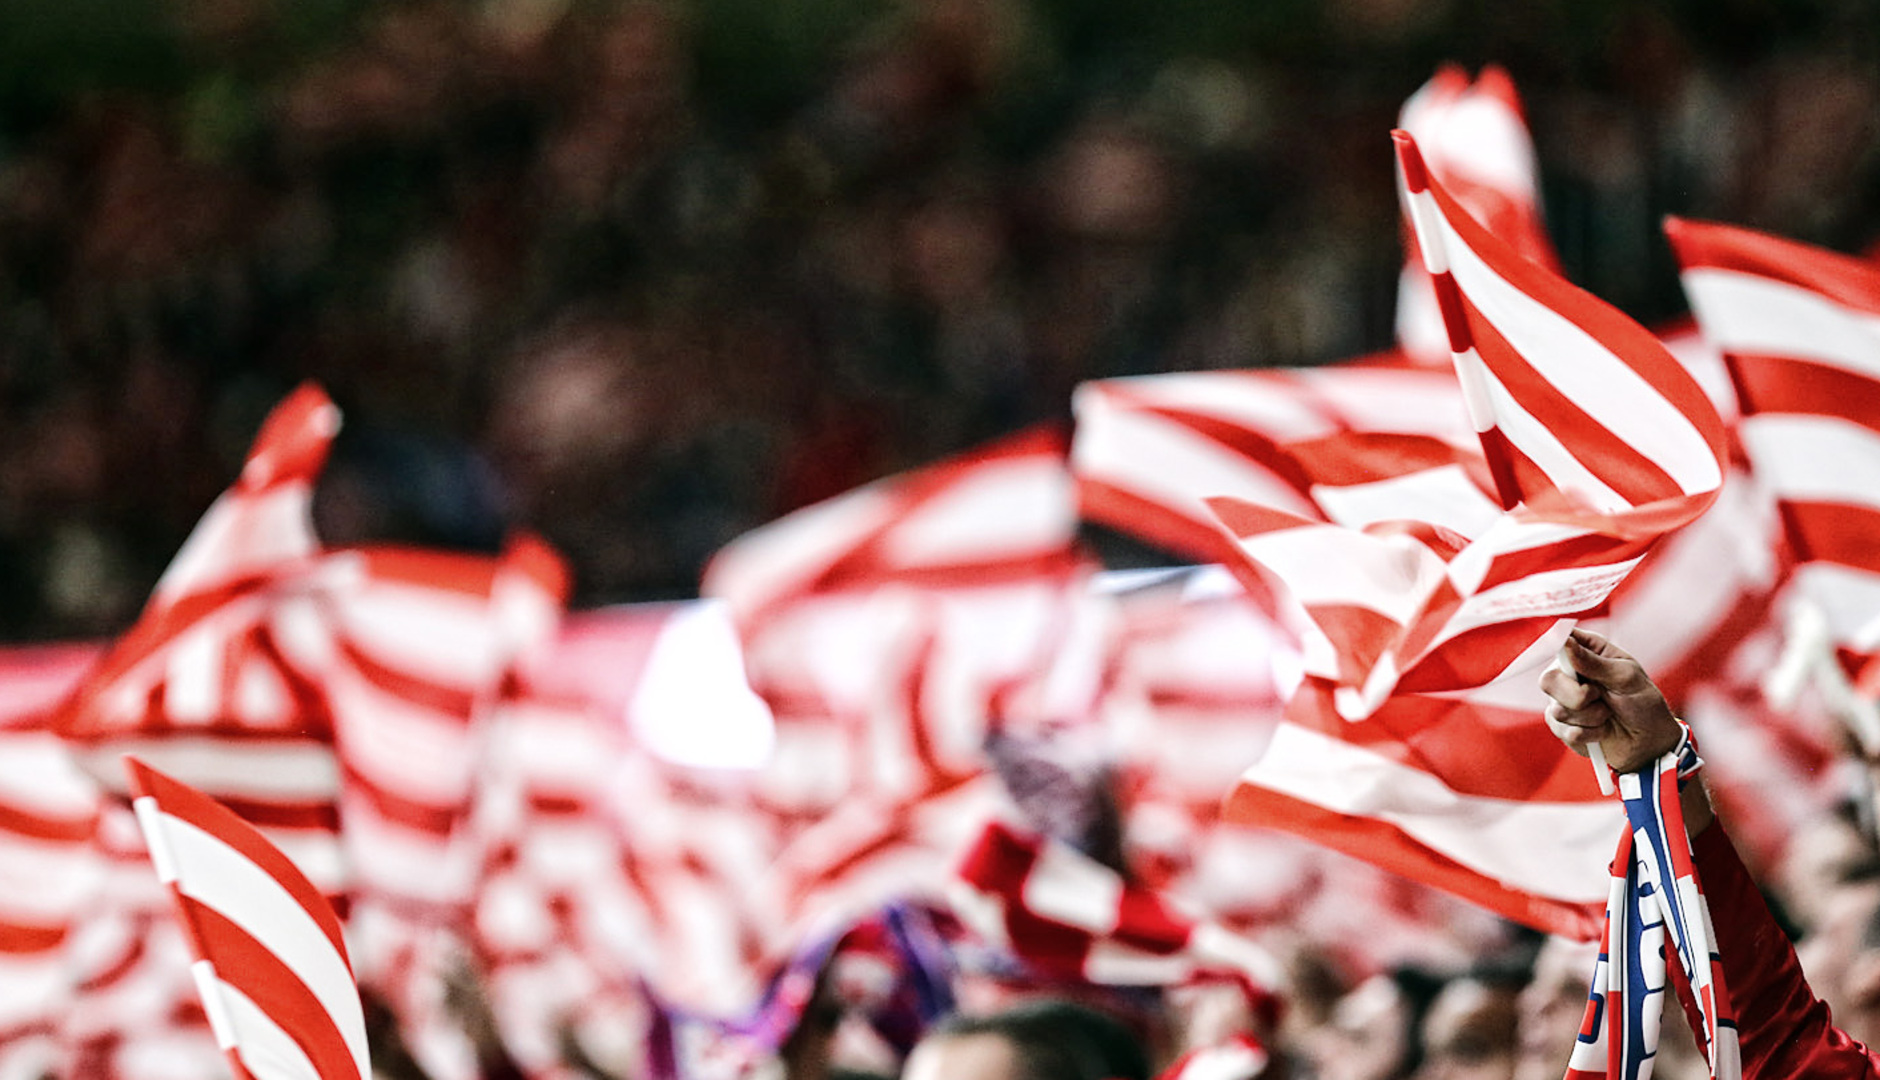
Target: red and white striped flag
{"type": "Point", "coordinates": [1149, 451]}
{"type": "Point", "coordinates": [1000, 512]}
{"type": "Point", "coordinates": [940, 607]}
{"type": "Point", "coordinates": [271, 960]}
{"type": "Point", "coordinates": [1429, 638]}
{"type": "Point", "coordinates": [1069, 916]}
{"type": "Point", "coordinates": [1800, 329]}
{"type": "Point", "coordinates": [1474, 137]}
{"type": "Point", "coordinates": [202, 684]}
{"type": "Point", "coordinates": [48, 870]}
{"type": "Point", "coordinates": [1581, 411]}
{"type": "Point", "coordinates": [417, 646]}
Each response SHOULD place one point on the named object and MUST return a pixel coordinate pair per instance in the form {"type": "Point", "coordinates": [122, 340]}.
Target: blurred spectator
{"type": "Point", "coordinates": [1040, 1039]}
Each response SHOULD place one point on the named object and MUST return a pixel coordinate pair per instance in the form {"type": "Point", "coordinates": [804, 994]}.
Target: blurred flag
{"type": "Point", "coordinates": [1474, 137]}
{"type": "Point", "coordinates": [48, 870]}
{"type": "Point", "coordinates": [999, 512]}
{"type": "Point", "coordinates": [1150, 450]}
{"type": "Point", "coordinates": [271, 959]}
{"type": "Point", "coordinates": [1798, 327]}
{"type": "Point", "coordinates": [416, 646]}
{"type": "Point", "coordinates": [202, 686]}
{"type": "Point", "coordinates": [1067, 915]}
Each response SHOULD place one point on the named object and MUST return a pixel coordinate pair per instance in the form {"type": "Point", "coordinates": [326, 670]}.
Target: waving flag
{"type": "Point", "coordinates": [1798, 328]}
{"type": "Point", "coordinates": [1151, 450]}
{"type": "Point", "coordinates": [1580, 409]}
{"type": "Point", "coordinates": [271, 961]}
{"type": "Point", "coordinates": [1474, 137]}
{"type": "Point", "coordinates": [1427, 637]}
{"type": "Point", "coordinates": [1000, 512]}
{"type": "Point", "coordinates": [48, 870]}
{"type": "Point", "coordinates": [202, 683]}
{"type": "Point", "coordinates": [1069, 916]}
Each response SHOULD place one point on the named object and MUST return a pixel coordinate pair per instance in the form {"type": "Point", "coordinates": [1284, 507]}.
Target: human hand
{"type": "Point", "coordinates": [1601, 695]}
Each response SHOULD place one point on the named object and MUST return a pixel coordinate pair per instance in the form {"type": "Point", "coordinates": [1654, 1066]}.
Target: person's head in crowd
{"type": "Point", "coordinates": [1827, 855]}
{"type": "Point", "coordinates": [1470, 1031]}
{"type": "Point", "coordinates": [1858, 1010]}
{"type": "Point", "coordinates": [1551, 1007]}
{"type": "Point", "coordinates": [1840, 950]}
{"type": "Point", "coordinates": [1375, 1030]}
{"type": "Point", "coordinates": [1044, 1039]}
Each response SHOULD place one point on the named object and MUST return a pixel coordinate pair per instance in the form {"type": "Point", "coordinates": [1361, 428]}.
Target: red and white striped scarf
{"type": "Point", "coordinates": [1656, 912]}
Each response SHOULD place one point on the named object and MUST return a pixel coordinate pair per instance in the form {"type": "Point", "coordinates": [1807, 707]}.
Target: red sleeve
{"type": "Point", "coordinates": [1783, 1029]}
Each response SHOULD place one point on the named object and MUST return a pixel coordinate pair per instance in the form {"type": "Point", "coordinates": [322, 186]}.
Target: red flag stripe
{"type": "Point", "coordinates": [192, 808]}
{"type": "Point", "coordinates": [247, 966]}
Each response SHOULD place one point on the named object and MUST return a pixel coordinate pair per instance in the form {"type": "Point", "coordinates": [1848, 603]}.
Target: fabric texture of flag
{"type": "Point", "coordinates": [202, 685]}
{"type": "Point", "coordinates": [1797, 326]}
{"type": "Point", "coordinates": [1426, 634]}
{"type": "Point", "coordinates": [271, 964]}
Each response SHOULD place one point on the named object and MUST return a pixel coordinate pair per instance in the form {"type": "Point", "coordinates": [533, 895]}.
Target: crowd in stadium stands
{"type": "Point", "coordinates": [644, 275]}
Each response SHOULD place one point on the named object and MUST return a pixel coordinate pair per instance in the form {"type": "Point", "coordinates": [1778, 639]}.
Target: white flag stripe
{"type": "Point", "coordinates": [195, 664]}
{"type": "Point", "coordinates": [1495, 836]}
{"type": "Point", "coordinates": [265, 1050]}
{"type": "Point", "coordinates": [434, 634]}
{"type": "Point", "coordinates": [1847, 597]}
{"type": "Point", "coordinates": [796, 549]}
{"type": "Point", "coordinates": [241, 533]}
{"type": "Point", "coordinates": [1603, 385]}
{"type": "Point", "coordinates": [1169, 464]}
{"type": "Point", "coordinates": [1111, 963]}
{"type": "Point", "coordinates": [1541, 445]}
{"type": "Point", "coordinates": [404, 862]}
{"type": "Point", "coordinates": [42, 882]}
{"type": "Point", "coordinates": [316, 852]}
{"type": "Point", "coordinates": [1071, 889]}
{"type": "Point", "coordinates": [1443, 496]}
{"type": "Point", "coordinates": [1482, 140]}
{"type": "Point", "coordinates": [1241, 400]}
{"type": "Point", "coordinates": [1754, 315]}
{"type": "Point", "coordinates": [284, 771]}
{"type": "Point", "coordinates": [402, 746]}
{"type": "Point", "coordinates": [1426, 219]}
{"type": "Point", "coordinates": [214, 1005]}
{"type": "Point", "coordinates": [1407, 402]}
{"type": "Point", "coordinates": [1810, 458]}
{"type": "Point", "coordinates": [1324, 564]}
{"type": "Point", "coordinates": [1546, 592]}
{"type": "Point", "coordinates": [998, 510]}
{"type": "Point", "coordinates": [31, 986]}
{"type": "Point", "coordinates": [222, 878]}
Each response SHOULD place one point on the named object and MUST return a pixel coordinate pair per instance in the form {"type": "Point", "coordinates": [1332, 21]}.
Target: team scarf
{"type": "Point", "coordinates": [1656, 911]}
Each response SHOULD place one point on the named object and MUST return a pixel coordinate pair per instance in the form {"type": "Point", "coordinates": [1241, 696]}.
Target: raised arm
{"type": "Point", "coordinates": [1601, 694]}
